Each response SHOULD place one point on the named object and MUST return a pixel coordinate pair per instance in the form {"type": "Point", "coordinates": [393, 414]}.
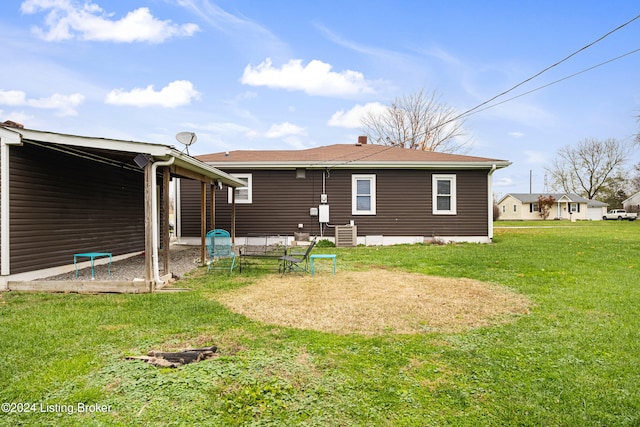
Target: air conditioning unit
{"type": "Point", "coordinates": [346, 235]}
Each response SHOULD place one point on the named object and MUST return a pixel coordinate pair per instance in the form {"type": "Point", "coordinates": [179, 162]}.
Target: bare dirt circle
{"type": "Point", "coordinates": [375, 302]}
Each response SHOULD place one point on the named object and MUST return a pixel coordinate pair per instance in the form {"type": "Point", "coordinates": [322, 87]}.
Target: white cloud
{"type": "Point", "coordinates": [227, 132]}
{"type": "Point", "coordinates": [68, 19]}
{"type": "Point", "coordinates": [221, 128]}
{"type": "Point", "coordinates": [13, 97]}
{"type": "Point", "coordinates": [223, 20]}
{"type": "Point", "coordinates": [65, 105]}
{"type": "Point", "coordinates": [444, 56]}
{"type": "Point", "coordinates": [219, 136]}
{"type": "Point", "coordinates": [248, 37]}
{"type": "Point", "coordinates": [516, 134]}
{"type": "Point", "coordinates": [521, 113]}
{"type": "Point", "coordinates": [284, 129]}
{"type": "Point", "coordinates": [353, 117]}
{"type": "Point", "coordinates": [503, 182]}
{"type": "Point", "coordinates": [295, 143]}
{"type": "Point", "coordinates": [17, 117]}
{"type": "Point", "coordinates": [249, 94]}
{"type": "Point", "coordinates": [316, 78]}
{"type": "Point", "coordinates": [175, 94]}
{"type": "Point", "coordinates": [535, 157]}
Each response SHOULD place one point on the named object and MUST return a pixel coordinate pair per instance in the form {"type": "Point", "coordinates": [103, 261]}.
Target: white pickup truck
{"type": "Point", "coordinates": [620, 214]}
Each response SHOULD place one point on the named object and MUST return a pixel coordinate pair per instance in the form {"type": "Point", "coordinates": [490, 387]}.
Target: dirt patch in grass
{"type": "Point", "coordinates": [375, 302]}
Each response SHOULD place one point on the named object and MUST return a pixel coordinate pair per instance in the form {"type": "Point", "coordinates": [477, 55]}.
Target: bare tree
{"type": "Point", "coordinates": [635, 179]}
{"type": "Point", "coordinates": [589, 167]}
{"type": "Point", "coordinates": [418, 121]}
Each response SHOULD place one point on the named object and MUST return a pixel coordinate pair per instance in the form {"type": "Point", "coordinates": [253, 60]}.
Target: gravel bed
{"type": "Point", "coordinates": [182, 259]}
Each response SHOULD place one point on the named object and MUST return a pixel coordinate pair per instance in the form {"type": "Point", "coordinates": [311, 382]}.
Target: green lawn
{"type": "Point", "coordinates": [574, 360]}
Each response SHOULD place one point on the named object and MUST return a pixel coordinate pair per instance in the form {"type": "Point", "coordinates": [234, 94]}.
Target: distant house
{"type": "Point", "coordinates": [525, 206]}
{"type": "Point", "coordinates": [390, 195]}
{"type": "Point", "coordinates": [65, 194]}
{"type": "Point", "coordinates": [632, 204]}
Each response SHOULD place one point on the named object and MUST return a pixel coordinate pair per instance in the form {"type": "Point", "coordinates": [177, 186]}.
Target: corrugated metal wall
{"type": "Point", "coordinates": [404, 204]}
{"type": "Point", "coordinates": [63, 204]}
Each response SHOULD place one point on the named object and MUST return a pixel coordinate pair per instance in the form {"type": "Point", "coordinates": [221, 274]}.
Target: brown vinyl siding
{"type": "Point", "coordinates": [63, 204]}
{"type": "Point", "coordinates": [1, 254]}
{"type": "Point", "coordinates": [280, 202]}
{"type": "Point", "coordinates": [404, 204]}
{"type": "Point", "coordinates": [404, 207]}
{"type": "Point", "coordinates": [294, 196]}
{"type": "Point", "coordinates": [190, 207]}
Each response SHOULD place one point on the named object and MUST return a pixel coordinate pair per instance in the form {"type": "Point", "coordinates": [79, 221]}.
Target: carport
{"type": "Point", "coordinates": [62, 194]}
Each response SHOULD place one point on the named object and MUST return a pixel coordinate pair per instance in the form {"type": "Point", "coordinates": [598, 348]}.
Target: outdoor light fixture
{"type": "Point", "coordinates": [142, 160]}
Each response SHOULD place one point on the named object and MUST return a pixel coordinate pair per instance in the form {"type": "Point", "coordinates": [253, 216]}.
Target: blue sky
{"type": "Point", "coordinates": [251, 74]}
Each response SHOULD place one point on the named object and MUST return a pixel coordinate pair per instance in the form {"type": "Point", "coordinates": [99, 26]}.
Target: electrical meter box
{"type": "Point", "coordinates": [323, 211]}
{"type": "Point", "coordinates": [323, 198]}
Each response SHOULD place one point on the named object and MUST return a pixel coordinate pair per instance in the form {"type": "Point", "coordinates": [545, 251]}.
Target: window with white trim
{"type": "Point", "coordinates": [244, 195]}
{"type": "Point", "coordinates": [444, 194]}
{"type": "Point", "coordinates": [363, 194]}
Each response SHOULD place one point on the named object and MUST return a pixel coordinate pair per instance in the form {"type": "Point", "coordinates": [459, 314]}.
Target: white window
{"type": "Point", "coordinates": [243, 194]}
{"type": "Point", "coordinates": [444, 194]}
{"type": "Point", "coordinates": [363, 194]}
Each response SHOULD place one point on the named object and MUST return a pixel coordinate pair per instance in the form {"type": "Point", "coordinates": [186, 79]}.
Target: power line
{"type": "Point", "coordinates": [475, 110]}
{"type": "Point", "coordinates": [546, 69]}
{"type": "Point", "coordinates": [477, 107]}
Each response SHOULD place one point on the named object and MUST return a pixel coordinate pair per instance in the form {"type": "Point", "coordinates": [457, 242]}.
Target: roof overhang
{"type": "Point", "coordinates": [183, 165]}
{"type": "Point", "coordinates": [361, 165]}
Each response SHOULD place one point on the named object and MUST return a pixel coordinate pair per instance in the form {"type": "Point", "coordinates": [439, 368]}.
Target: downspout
{"type": "Point", "coordinates": [5, 184]}
{"type": "Point", "coordinates": [4, 207]}
{"type": "Point", "coordinates": [490, 195]}
{"type": "Point", "coordinates": [177, 219]}
{"type": "Point", "coordinates": [154, 217]}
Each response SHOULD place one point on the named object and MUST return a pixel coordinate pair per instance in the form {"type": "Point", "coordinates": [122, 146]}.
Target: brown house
{"type": "Point", "coordinates": [379, 194]}
{"type": "Point", "coordinates": [66, 194]}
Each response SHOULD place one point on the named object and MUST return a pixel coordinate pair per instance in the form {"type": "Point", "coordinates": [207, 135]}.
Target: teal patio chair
{"type": "Point", "coordinates": [219, 246]}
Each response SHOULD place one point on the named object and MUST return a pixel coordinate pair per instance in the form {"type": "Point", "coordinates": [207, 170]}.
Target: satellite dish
{"type": "Point", "coordinates": [186, 138]}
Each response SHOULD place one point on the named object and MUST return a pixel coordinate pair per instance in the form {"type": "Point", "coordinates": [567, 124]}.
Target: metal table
{"type": "Point", "coordinates": [92, 256]}
{"type": "Point", "coordinates": [328, 256]}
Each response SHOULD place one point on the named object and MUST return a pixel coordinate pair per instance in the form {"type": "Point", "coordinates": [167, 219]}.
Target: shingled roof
{"type": "Point", "coordinates": [348, 155]}
{"type": "Point", "coordinates": [571, 197]}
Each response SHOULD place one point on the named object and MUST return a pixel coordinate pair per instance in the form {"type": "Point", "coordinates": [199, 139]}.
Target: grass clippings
{"type": "Point", "coordinates": [375, 302]}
